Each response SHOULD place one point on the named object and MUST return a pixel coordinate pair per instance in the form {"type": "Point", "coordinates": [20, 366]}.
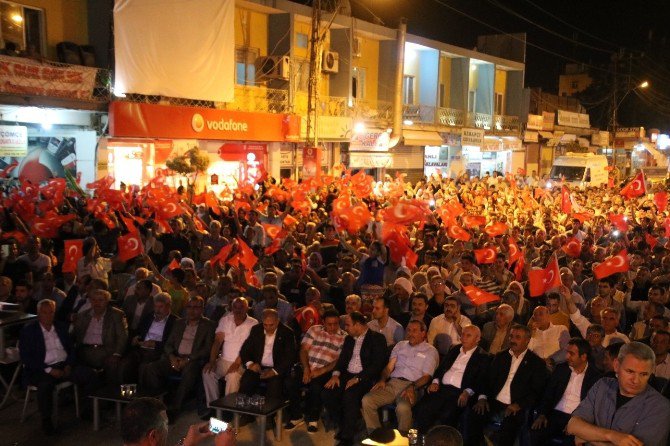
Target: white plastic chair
{"type": "Point", "coordinates": [57, 389]}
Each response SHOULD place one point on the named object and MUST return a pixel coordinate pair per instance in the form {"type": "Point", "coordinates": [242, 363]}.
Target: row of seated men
{"type": "Point", "coordinates": [347, 371]}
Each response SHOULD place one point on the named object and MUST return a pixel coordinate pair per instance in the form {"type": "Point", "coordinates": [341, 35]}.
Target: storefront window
{"type": "Point", "coordinates": [569, 173]}
{"type": "Point", "coordinates": [22, 26]}
{"type": "Point", "coordinates": [245, 68]}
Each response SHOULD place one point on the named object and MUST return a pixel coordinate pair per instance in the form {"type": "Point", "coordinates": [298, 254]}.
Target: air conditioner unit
{"type": "Point", "coordinates": [273, 67]}
{"type": "Point", "coordinates": [330, 63]}
{"type": "Point", "coordinates": [357, 46]}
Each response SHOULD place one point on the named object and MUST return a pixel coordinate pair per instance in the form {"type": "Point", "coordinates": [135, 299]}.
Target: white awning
{"type": "Point", "coordinates": [422, 138]}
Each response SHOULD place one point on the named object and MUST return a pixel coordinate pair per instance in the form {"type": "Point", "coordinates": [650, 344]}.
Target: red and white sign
{"type": "Point", "coordinates": [13, 140]}
{"type": "Point", "coordinates": [311, 162]}
{"type": "Point", "coordinates": [134, 120]}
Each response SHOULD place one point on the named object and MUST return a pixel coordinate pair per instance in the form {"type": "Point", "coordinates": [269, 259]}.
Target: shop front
{"type": "Point", "coordinates": [368, 150]}
{"type": "Point", "coordinates": [242, 146]}
{"type": "Point", "coordinates": [484, 154]}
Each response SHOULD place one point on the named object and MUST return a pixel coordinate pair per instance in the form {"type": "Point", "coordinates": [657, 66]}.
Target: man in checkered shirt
{"type": "Point", "coordinates": [319, 352]}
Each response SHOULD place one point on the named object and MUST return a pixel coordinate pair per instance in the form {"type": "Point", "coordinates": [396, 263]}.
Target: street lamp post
{"type": "Point", "coordinates": [615, 109]}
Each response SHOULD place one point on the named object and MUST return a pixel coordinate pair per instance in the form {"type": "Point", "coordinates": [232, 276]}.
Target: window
{"type": "Point", "coordinates": [499, 104]}
{"type": "Point", "coordinates": [301, 40]}
{"type": "Point", "coordinates": [245, 68]}
{"type": "Point", "coordinates": [23, 26]}
{"type": "Point", "coordinates": [358, 83]}
{"type": "Point", "coordinates": [408, 89]}
{"type": "Point", "coordinates": [472, 98]}
{"type": "Point", "coordinates": [301, 74]}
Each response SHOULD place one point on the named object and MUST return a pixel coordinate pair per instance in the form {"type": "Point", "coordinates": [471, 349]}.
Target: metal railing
{"type": "Point", "coordinates": [506, 123]}
{"type": "Point", "coordinates": [451, 117]}
{"type": "Point", "coordinates": [327, 105]}
{"type": "Point", "coordinates": [480, 120]}
{"type": "Point", "coordinates": [262, 99]}
{"type": "Point", "coordinates": [421, 114]}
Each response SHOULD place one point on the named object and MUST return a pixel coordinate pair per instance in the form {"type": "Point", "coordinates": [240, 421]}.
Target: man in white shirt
{"type": "Point", "coordinates": [382, 323]}
{"type": "Point", "coordinates": [548, 340]}
{"type": "Point", "coordinates": [445, 329]}
{"type": "Point", "coordinates": [224, 359]}
{"type": "Point", "coordinates": [568, 385]}
{"type": "Point", "coordinates": [459, 376]}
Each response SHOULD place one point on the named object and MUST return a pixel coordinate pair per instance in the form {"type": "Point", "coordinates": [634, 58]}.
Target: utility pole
{"type": "Point", "coordinates": [315, 55]}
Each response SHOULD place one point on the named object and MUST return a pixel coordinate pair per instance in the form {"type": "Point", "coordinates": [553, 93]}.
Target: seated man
{"type": "Point", "coordinates": [268, 354]}
{"type": "Point", "coordinates": [321, 346]}
{"type": "Point", "coordinates": [383, 323]}
{"type": "Point", "coordinates": [152, 334]}
{"type": "Point", "coordinates": [138, 305]}
{"type": "Point", "coordinates": [101, 335]}
{"type": "Point", "coordinates": [459, 376]}
{"type": "Point", "coordinates": [625, 409]}
{"type": "Point", "coordinates": [548, 341]}
{"type": "Point", "coordinates": [568, 385]}
{"type": "Point", "coordinates": [224, 358]}
{"type": "Point", "coordinates": [271, 300]}
{"type": "Point", "coordinates": [47, 354]}
{"type": "Point", "coordinates": [184, 354]}
{"type": "Point", "coordinates": [358, 368]}
{"type": "Point", "coordinates": [514, 383]}
{"type": "Point", "coordinates": [445, 329]}
{"type": "Point", "coordinates": [409, 369]}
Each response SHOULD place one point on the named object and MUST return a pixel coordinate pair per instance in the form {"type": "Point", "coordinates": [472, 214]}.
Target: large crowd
{"type": "Point", "coordinates": [497, 305]}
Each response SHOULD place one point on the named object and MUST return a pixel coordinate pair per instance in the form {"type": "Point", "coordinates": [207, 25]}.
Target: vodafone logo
{"type": "Point", "coordinates": [197, 122]}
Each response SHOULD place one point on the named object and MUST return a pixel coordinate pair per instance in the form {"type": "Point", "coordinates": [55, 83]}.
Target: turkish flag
{"type": "Point", "coordinates": [74, 250]}
{"type": "Point", "coordinates": [519, 267]}
{"type": "Point", "coordinates": [19, 236]}
{"type": "Point", "coordinates": [485, 255]}
{"type": "Point", "coordinates": [514, 251]}
{"type": "Point", "coordinates": [666, 225]}
{"type": "Point", "coordinates": [542, 280]}
{"type": "Point", "coordinates": [619, 221]}
{"type": "Point", "coordinates": [478, 296]}
{"type": "Point", "coordinates": [273, 247]}
{"type": "Point", "coordinates": [410, 258]}
{"type": "Point", "coordinates": [612, 265]}
{"type": "Point", "coordinates": [496, 229]}
{"type": "Point", "coordinates": [130, 224]}
{"type": "Point", "coordinates": [566, 203]}
{"type": "Point", "coordinates": [168, 209]}
{"type": "Point", "coordinates": [290, 220]}
{"type": "Point", "coordinates": [222, 255]}
{"type": "Point", "coordinates": [102, 183]}
{"type": "Point", "coordinates": [471, 221]}
{"type": "Point", "coordinates": [273, 231]}
{"type": "Point", "coordinates": [582, 216]}
{"type": "Point", "coordinates": [651, 240]}
{"type": "Point", "coordinates": [454, 207]}
{"type": "Point", "coordinates": [130, 246]}
{"type": "Point", "coordinates": [572, 247]}
{"type": "Point", "coordinates": [246, 255]}
{"type": "Point", "coordinates": [636, 187]}
{"type": "Point", "coordinates": [173, 265]}
{"type": "Point", "coordinates": [661, 201]}
{"type": "Point", "coordinates": [458, 233]}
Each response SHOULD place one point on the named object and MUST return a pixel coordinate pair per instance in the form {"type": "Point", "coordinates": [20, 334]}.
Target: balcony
{"type": "Point", "coordinates": [327, 105]}
{"type": "Point", "coordinates": [373, 111]}
{"type": "Point", "coordinates": [504, 123]}
{"type": "Point", "coordinates": [451, 117]}
{"type": "Point", "coordinates": [25, 80]}
{"type": "Point", "coordinates": [258, 99]}
{"type": "Point", "coordinates": [418, 114]}
{"type": "Point", "coordinates": [480, 120]}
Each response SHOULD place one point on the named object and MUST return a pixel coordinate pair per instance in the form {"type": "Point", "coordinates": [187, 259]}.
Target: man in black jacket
{"type": "Point", "coordinates": [458, 377]}
{"type": "Point", "coordinates": [47, 355]}
{"type": "Point", "coordinates": [268, 355]}
{"type": "Point", "coordinates": [363, 357]}
{"type": "Point", "coordinates": [514, 384]}
{"type": "Point", "coordinates": [568, 385]}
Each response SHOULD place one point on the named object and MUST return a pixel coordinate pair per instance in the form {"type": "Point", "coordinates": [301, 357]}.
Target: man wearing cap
{"type": "Point", "coordinates": [410, 367]}
{"type": "Point", "coordinates": [402, 289]}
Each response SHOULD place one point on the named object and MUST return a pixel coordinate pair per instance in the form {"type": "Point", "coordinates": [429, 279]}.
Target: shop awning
{"type": "Point", "coordinates": [422, 138]}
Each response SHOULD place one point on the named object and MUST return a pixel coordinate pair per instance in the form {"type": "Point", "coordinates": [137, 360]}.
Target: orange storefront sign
{"type": "Point", "coordinates": [135, 120]}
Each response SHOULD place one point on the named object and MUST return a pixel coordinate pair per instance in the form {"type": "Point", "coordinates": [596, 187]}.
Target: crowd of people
{"type": "Point", "coordinates": [496, 305]}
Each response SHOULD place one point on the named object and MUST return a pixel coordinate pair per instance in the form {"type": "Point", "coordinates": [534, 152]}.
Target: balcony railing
{"type": "Point", "coordinates": [260, 99]}
{"type": "Point", "coordinates": [451, 117]}
{"type": "Point", "coordinates": [327, 105]}
{"type": "Point", "coordinates": [506, 123]}
{"type": "Point", "coordinates": [480, 120]}
{"type": "Point", "coordinates": [28, 77]}
{"type": "Point", "coordinates": [418, 114]}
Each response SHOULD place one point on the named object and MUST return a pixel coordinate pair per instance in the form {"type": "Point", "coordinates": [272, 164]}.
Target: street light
{"type": "Point", "coordinates": [615, 124]}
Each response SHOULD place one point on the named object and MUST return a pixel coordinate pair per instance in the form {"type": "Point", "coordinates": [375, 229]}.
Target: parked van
{"type": "Point", "coordinates": [579, 169]}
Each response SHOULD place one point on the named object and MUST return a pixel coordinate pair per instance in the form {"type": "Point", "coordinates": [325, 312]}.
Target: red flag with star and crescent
{"type": "Point", "coordinates": [619, 221]}
{"type": "Point", "coordinates": [661, 201]}
{"type": "Point", "coordinates": [130, 246]}
{"type": "Point", "coordinates": [612, 265]}
{"type": "Point", "coordinates": [572, 247]}
{"type": "Point", "coordinates": [485, 255]}
{"type": "Point", "coordinates": [542, 280]}
{"type": "Point", "coordinates": [636, 187]}
{"type": "Point", "coordinates": [566, 202]}
{"type": "Point", "coordinates": [651, 240]}
{"type": "Point", "coordinates": [515, 252]}
{"type": "Point", "coordinates": [496, 229]}
{"type": "Point", "coordinates": [74, 250]}
{"type": "Point", "coordinates": [478, 296]}
{"type": "Point", "coordinates": [458, 233]}
{"type": "Point", "coordinates": [472, 221]}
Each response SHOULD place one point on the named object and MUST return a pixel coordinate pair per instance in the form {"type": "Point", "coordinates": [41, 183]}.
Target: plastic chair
{"type": "Point", "coordinates": [57, 389]}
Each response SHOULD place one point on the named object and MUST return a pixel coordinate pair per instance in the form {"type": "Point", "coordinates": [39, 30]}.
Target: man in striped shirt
{"type": "Point", "coordinates": [319, 352]}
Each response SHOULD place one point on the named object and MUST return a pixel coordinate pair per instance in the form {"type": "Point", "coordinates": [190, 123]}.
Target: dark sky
{"type": "Point", "coordinates": [558, 32]}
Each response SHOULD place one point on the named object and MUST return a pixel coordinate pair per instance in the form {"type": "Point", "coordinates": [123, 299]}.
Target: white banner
{"type": "Point", "coordinates": [572, 119]}
{"type": "Point", "coordinates": [175, 48]}
{"type": "Point", "coordinates": [472, 137]}
{"type": "Point", "coordinates": [13, 140]}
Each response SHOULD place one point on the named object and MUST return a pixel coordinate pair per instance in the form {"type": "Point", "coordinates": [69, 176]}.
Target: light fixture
{"type": "Point", "coordinates": [408, 122]}
{"type": "Point", "coordinates": [644, 84]}
{"type": "Point", "coordinates": [17, 18]}
{"type": "Point", "coordinates": [359, 127]}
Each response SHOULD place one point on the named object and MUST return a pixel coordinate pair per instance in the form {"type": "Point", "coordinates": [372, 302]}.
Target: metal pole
{"type": "Point", "coordinates": [399, 74]}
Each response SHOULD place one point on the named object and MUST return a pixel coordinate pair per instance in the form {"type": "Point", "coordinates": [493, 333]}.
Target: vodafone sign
{"type": "Point", "coordinates": [128, 119]}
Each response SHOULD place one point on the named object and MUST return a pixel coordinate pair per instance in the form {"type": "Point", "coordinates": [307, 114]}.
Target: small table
{"type": "Point", "coordinates": [10, 319]}
{"type": "Point", "coordinates": [113, 393]}
{"type": "Point", "coordinates": [271, 406]}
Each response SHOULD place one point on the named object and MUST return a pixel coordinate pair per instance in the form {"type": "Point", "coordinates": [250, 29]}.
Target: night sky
{"type": "Point", "coordinates": [558, 32]}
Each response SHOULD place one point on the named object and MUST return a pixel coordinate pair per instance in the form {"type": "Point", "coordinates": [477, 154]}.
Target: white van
{"type": "Point", "coordinates": [580, 169]}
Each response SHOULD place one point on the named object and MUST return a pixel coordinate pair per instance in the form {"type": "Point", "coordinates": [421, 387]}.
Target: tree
{"type": "Point", "coordinates": [190, 165]}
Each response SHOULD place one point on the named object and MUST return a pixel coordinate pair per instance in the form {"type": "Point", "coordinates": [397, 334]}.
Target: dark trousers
{"type": "Point", "coordinates": [557, 421]}
{"type": "Point", "coordinates": [344, 406]}
{"type": "Point", "coordinates": [134, 361]}
{"type": "Point", "coordinates": [313, 403]}
{"type": "Point", "coordinates": [155, 374]}
{"type": "Point", "coordinates": [250, 384]}
{"type": "Point", "coordinates": [440, 406]}
{"type": "Point", "coordinates": [97, 358]}
{"type": "Point", "coordinates": [505, 435]}
{"type": "Point", "coordinates": [84, 377]}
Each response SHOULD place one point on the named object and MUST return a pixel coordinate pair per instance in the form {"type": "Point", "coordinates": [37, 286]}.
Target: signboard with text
{"type": "Point", "coordinates": [472, 137]}
{"type": "Point", "coordinates": [572, 119]}
{"type": "Point", "coordinates": [13, 140]}
{"type": "Point", "coordinates": [548, 120]}
{"type": "Point", "coordinates": [535, 122]}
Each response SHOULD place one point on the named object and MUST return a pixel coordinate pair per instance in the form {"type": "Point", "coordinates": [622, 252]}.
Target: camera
{"type": "Point", "coordinates": [217, 426]}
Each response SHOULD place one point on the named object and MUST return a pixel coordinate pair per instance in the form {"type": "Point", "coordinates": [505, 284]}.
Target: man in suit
{"type": "Point", "coordinates": [152, 334]}
{"type": "Point", "coordinates": [101, 335]}
{"type": "Point", "coordinates": [514, 383]}
{"type": "Point", "coordinates": [47, 355]}
{"type": "Point", "coordinates": [184, 354]}
{"type": "Point", "coordinates": [458, 377]}
{"type": "Point", "coordinates": [358, 368]}
{"type": "Point", "coordinates": [138, 305]}
{"type": "Point", "coordinates": [568, 385]}
{"type": "Point", "coordinates": [268, 354]}
{"type": "Point", "coordinates": [495, 334]}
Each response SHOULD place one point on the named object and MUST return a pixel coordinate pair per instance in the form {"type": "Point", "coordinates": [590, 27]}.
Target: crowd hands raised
{"type": "Point", "coordinates": [496, 305]}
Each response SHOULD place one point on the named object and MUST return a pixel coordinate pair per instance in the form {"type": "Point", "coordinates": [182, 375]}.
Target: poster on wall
{"type": "Point", "coordinates": [47, 157]}
{"type": "Point", "coordinates": [473, 169]}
